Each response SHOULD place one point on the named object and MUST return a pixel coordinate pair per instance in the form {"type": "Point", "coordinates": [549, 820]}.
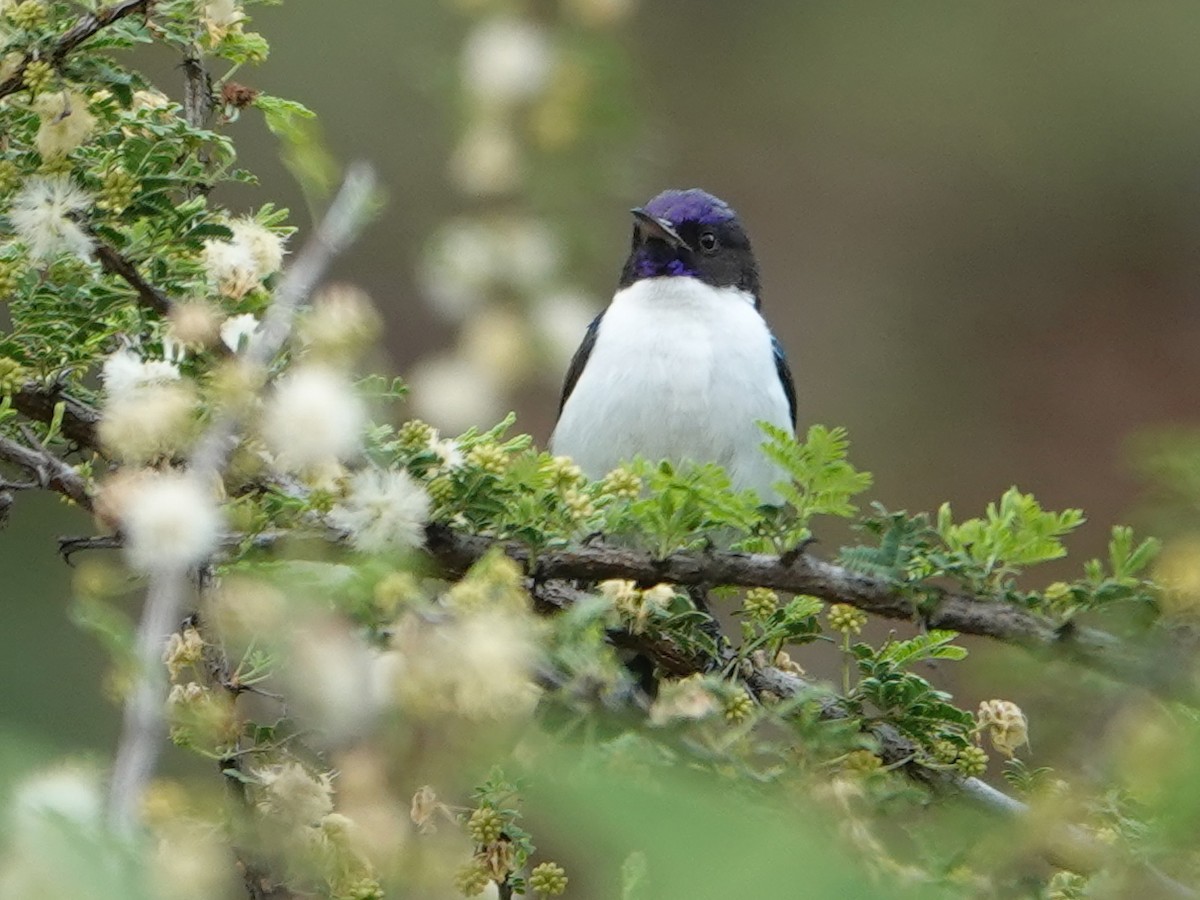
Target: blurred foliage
{"type": "Point", "coordinates": [380, 729]}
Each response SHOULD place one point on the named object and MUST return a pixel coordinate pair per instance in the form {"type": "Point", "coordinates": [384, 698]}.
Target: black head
{"type": "Point", "coordinates": [691, 233]}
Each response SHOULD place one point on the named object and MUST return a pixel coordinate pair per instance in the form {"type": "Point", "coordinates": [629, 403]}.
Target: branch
{"type": "Point", "coordinates": [197, 91]}
{"type": "Point", "coordinates": [1103, 652]}
{"type": "Point", "coordinates": [148, 295]}
{"type": "Point", "coordinates": [84, 28]}
{"type": "Point", "coordinates": [48, 470]}
{"type": "Point", "coordinates": [38, 401]}
{"type": "Point", "coordinates": [143, 726]}
{"type": "Point", "coordinates": [806, 574]}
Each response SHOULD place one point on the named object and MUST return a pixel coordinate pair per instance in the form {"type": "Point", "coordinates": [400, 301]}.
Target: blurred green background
{"type": "Point", "coordinates": [978, 226]}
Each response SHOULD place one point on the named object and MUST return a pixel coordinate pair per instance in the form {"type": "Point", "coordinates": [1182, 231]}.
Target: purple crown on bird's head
{"type": "Point", "coordinates": [691, 234]}
{"type": "Point", "coordinates": [692, 205]}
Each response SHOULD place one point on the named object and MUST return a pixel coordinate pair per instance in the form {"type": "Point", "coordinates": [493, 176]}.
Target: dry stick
{"type": "Point", "coordinates": [142, 728]}
{"type": "Point", "coordinates": [85, 27]}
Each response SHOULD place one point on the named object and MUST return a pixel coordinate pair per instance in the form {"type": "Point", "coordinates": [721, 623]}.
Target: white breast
{"type": "Point", "coordinates": [682, 371]}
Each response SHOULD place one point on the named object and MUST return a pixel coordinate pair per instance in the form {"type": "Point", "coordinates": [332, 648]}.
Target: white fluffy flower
{"type": "Point", "coordinates": [448, 452]}
{"type": "Point", "coordinates": [265, 246]}
{"type": "Point", "coordinates": [170, 522]}
{"type": "Point", "coordinates": [222, 17]}
{"type": "Point", "coordinates": [313, 418]}
{"type": "Point", "coordinates": [148, 423]}
{"type": "Point", "coordinates": [479, 665]}
{"type": "Point", "coordinates": [235, 329]}
{"type": "Point", "coordinates": [67, 794]}
{"type": "Point", "coordinates": [65, 123]}
{"type": "Point", "coordinates": [230, 267]}
{"type": "Point", "coordinates": [44, 215]}
{"type": "Point", "coordinates": [385, 510]}
{"type": "Point", "coordinates": [124, 373]}
{"type": "Point", "coordinates": [507, 60]}
{"type": "Point", "coordinates": [238, 265]}
{"type": "Point", "coordinates": [293, 794]}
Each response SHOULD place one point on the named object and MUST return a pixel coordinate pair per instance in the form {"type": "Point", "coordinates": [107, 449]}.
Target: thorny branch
{"type": "Point", "coordinates": [87, 26]}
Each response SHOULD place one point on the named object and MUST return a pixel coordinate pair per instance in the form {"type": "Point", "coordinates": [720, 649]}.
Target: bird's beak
{"type": "Point", "coordinates": [649, 226]}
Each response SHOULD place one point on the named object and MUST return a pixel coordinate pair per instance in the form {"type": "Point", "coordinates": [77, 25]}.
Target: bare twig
{"type": "Point", "coordinates": [142, 728]}
{"type": "Point", "coordinates": [85, 27]}
{"type": "Point", "coordinates": [116, 264]}
{"type": "Point", "coordinates": [49, 471]}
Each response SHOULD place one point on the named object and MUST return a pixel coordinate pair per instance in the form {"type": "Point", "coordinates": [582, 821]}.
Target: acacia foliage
{"type": "Point", "coordinates": [387, 719]}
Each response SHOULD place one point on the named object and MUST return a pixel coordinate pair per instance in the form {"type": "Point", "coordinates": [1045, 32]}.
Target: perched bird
{"type": "Point", "coordinates": [681, 365]}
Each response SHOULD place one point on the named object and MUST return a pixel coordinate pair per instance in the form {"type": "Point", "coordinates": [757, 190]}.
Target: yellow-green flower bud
{"type": "Point", "coordinates": [862, 762]}
{"type": "Point", "coordinates": [563, 472]}
{"type": "Point", "coordinates": [394, 590]}
{"type": "Point", "coordinates": [415, 435]}
{"type": "Point", "coordinates": [943, 751]}
{"type": "Point", "coordinates": [365, 888]}
{"type": "Point", "coordinates": [548, 878]}
{"type": "Point", "coordinates": [846, 619]}
{"type": "Point", "coordinates": [28, 14]}
{"type": "Point", "coordinates": [38, 75]}
{"type": "Point", "coordinates": [622, 484]}
{"type": "Point", "coordinates": [12, 375]}
{"type": "Point", "coordinates": [471, 879]}
{"type": "Point", "coordinates": [117, 190]}
{"type": "Point", "coordinates": [10, 175]}
{"type": "Point", "coordinates": [972, 761]}
{"type": "Point", "coordinates": [489, 458]}
{"type": "Point", "coordinates": [760, 603]}
{"type": "Point", "coordinates": [578, 504]}
{"type": "Point", "coordinates": [738, 707]}
{"type": "Point", "coordinates": [486, 825]}
{"type": "Point", "coordinates": [441, 491]}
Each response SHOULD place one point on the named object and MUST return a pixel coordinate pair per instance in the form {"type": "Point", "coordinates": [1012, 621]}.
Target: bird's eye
{"type": "Point", "coordinates": [708, 242]}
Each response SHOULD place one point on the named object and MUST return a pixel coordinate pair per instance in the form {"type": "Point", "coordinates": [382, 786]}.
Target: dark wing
{"type": "Point", "coordinates": [579, 360]}
{"type": "Point", "coordinates": [785, 377]}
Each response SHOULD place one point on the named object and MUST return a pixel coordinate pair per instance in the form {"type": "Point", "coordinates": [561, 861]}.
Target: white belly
{"type": "Point", "coordinates": [681, 371]}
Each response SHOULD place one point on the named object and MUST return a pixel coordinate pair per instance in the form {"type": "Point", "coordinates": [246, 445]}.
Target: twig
{"type": "Point", "coordinates": [85, 27]}
{"type": "Point", "coordinates": [49, 471]}
{"type": "Point", "coordinates": [143, 725]}
{"type": "Point", "coordinates": [116, 264]}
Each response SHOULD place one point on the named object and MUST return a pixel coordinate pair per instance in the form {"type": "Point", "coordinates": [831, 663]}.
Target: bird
{"type": "Point", "coordinates": [681, 365]}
